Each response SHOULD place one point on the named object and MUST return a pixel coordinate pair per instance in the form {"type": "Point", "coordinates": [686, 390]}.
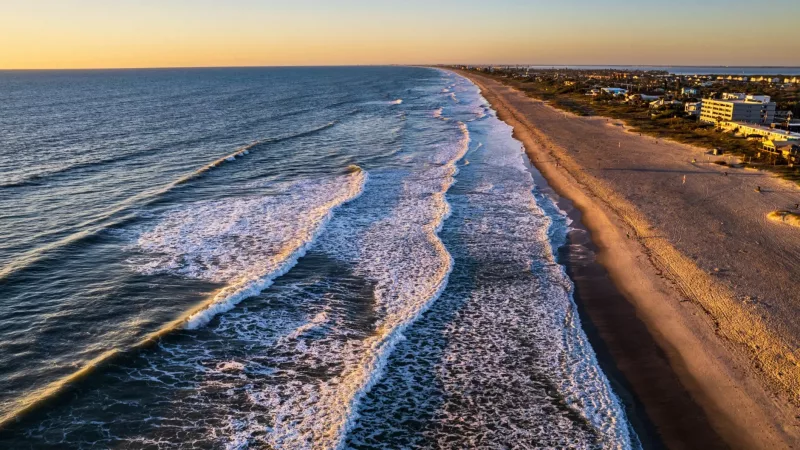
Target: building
{"type": "Point", "coordinates": [788, 149]}
{"type": "Point", "coordinates": [664, 103]}
{"type": "Point", "coordinates": [765, 133]}
{"type": "Point", "coordinates": [693, 109]}
{"type": "Point", "coordinates": [641, 97]}
{"type": "Point", "coordinates": [689, 91]}
{"type": "Point", "coordinates": [615, 91]}
{"type": "Point", "coordinates": [738, 108]}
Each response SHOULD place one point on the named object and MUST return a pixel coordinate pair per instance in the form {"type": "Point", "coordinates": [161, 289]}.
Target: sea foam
{"type": "Point", "coordinates": [243, 243]}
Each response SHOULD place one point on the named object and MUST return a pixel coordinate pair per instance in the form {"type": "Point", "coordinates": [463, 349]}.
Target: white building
{"type": "Point", "coordinates": [735, 107]}
{"type": "Point", "coordinates": [693, 109]}
{"type": "Point", "coordinates": [614, 91]}
{"type": "Point", "coordinates": [766, 133]}
{"type": "Point", "coordinates": [663, 103]}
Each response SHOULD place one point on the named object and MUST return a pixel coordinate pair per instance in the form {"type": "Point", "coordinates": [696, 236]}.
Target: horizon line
{"type": "Point", "coordinates": [276, 66]}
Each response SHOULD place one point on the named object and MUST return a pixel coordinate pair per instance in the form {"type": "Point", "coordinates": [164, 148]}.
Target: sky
{"type": "Point", "coordinates": [58, 34]}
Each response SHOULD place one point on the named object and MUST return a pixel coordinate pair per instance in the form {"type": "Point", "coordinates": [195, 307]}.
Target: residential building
{"type": "Point", "coordinates": [738, 108]}
{"type": "Point", "coordinates": [689, 91]}
{"type": "Point", "coordinates": [614, 91]}
{"type": "Point", "coordinates": [733, 96]}
{"type": "Point", "coordinates": [788, 149]}
{"type": "Point", "coordinates": [664, 103]}
{"type": "Point", "coordinates": [642, 97]}
{"type": "Point", "coordinates": [766, 133]}
{"type": "Point", "coordinates": [693, 109]}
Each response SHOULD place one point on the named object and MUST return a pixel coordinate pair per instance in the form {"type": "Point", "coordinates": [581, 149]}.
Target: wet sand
{"type": "Point", "coordinates": [700, 328]}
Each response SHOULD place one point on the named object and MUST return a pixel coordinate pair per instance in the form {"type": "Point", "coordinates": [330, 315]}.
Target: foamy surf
{"type": "Point", "coordinates": [403, 255]}
{"type": "Point", "coordinates": [110, 219]}
{"type": "Point", "coordinates": [396, 329]}
{"type": "Point", "coordinates": [244, 243]}
{"type": "Point", "coordinates": [491, 364]}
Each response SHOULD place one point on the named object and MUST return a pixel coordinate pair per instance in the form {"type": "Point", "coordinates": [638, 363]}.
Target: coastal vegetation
{"type": "Point", "coordinates": [661, 123]}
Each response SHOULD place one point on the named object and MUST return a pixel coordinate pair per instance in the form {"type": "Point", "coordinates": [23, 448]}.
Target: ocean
{"type": "Point", "coordinates": [282, 258]}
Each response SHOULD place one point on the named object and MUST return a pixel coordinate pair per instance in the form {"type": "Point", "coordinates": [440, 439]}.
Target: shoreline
{"type": "Point", "coordinates": [696, 391]}
{"type": "Point", "coordinates": [602, 308]}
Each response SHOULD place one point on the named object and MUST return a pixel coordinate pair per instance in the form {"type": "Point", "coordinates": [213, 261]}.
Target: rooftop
{"type": "Point", "coordinates": [754, 126]}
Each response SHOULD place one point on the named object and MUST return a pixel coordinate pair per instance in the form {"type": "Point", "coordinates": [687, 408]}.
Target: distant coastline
{"type": "Point", "coordinates": [678, 70]}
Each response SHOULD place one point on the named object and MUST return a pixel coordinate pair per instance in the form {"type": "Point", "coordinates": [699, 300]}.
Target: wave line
{"type": "Point", "coordinates": [224, 299]}
{"type": "Point", "coordinates": [144, 198]}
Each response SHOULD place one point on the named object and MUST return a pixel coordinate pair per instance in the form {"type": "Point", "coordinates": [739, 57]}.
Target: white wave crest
{"type": "Point", "coordinates": [244, 243]}
{"type": "Point", "coordinates": [409, 265]}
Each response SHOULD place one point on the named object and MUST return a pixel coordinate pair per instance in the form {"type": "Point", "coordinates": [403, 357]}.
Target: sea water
{"type": "Point", "coordinates": [282, 258]}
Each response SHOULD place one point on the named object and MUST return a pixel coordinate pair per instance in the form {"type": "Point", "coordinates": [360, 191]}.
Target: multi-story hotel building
{"type": "Point", "coordinates": [738, 108]}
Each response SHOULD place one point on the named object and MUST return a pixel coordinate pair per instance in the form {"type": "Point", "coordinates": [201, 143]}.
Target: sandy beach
{"type": "Point", "coordinates": [710, 344]}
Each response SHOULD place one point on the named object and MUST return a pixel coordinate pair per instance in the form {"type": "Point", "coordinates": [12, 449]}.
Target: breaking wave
{"type": "Point", "coordinates": [244, 243]}
{"type": "Point", "coordinates": [112, 217]}
{"type": "Point", "coordinates": [403, 257]}
{"type": "Point", "coordinates": [178, 244]}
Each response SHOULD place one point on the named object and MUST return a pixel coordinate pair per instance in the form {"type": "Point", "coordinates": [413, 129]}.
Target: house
{"type": "Point", "coordinates": [689, 91]}
{"type": "Point", "coordinates": [642, 97]}
{"type": "Point", "coordinates": [663, 103]}
{"type": "Point", "coordinates": [616, 92]}
{"type": "Point", "coordinates": [693, 109]}
{"type": "Point", "coordinates": [788, 149]}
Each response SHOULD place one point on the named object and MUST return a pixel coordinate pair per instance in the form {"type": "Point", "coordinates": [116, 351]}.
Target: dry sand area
{"type": "Point", "coordinates": [692, 249]}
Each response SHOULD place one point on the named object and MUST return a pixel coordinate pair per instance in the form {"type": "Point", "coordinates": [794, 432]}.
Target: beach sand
{"type": "Point", "coordinates": [707, 338]}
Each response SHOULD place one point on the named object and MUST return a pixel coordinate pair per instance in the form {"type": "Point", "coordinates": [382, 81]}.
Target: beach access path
{"type": "Point", "coordinates": [688, 243]}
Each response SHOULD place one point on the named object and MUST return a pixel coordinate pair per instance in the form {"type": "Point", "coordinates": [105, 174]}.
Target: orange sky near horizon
{"type": "Point", "coordinates": [40, 34]}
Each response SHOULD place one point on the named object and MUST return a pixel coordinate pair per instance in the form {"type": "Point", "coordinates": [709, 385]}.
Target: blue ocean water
{"type": "Point", "coordinates": [282, 258]}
